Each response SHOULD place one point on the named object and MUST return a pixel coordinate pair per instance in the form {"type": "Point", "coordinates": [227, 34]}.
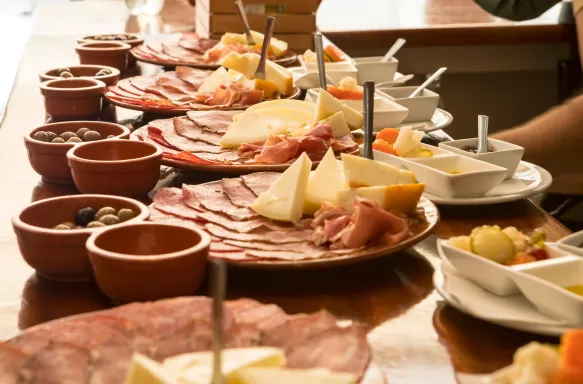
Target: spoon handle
{"type": "Point", "coordinates": [482, 133]}
{"type": "Point", "coordinates": [320, 57]}
{"type": "Point", "coordinates": [431, 79]}
{"type": "Point", "coordinates": [260, 73]}
{"type": "Point", "coordinates": [243, 15]}
{"type": "Point", "coordinates": [369, 90]}
{"type": "Point", "coordinates": [393, 50]}
{"type": "Point", "coordinates": [218, 287]}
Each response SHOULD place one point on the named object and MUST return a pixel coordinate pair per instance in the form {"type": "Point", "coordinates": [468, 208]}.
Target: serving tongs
{"type": "Point", "coordinates": [218, 286]}
{"type": "Point", "coordinates": [243, 15]}
{"type": "Point", "coordinates": [320, 59]}
{"type": "Point", "coordinates": [260, 72]}
{"type": "Point", "coordinates": [369, 90]}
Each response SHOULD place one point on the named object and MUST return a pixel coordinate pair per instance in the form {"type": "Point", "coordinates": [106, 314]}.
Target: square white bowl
{"type": "Point", "coordinates": [386, 114]}
{"type": "Point", "coordinates": [491, 276]}
{"type": "Point", "coordinates": [335, 71]}
{"type": "Point", "coordinates": [421, 108]}
{"type": "Point", "coordinates": [400, 162]}
{"type": "Point", "coordinates": [543, 285]}
{"type": "Point", "coordinates": [572, 243]}
{"type": "Point", "coordinates": [507, 155]}
{"type": "Point", "coordinates": [372, 69]}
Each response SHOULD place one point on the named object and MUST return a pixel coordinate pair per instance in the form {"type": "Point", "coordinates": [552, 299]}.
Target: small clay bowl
{"type": "Point", "coordinates": [148, 261]}
{"type": "Point", "coordinates": [132, 40]}
{"type": "Point", "coordinates": [111, 54]}
{"type": "Point", "coordinates": [115, 167]}
{"type": "Point", "coordinates": [49, 160]}
{"type": "Point", "coordinates": [72, 98]}
{"type": "Point", "coordinates": [61, 254]}
{"type": "Point", "coordinates": [89, 71]}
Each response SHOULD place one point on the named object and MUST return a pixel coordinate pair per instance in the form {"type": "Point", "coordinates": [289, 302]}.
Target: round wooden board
{"type": "Point", "coordinates": [181, 111]}
{"type": "Point", "coordinates": [286, 60]}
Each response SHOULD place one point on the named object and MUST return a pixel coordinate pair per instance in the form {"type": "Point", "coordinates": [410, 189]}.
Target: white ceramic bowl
{"type": "Point", "coordinates": [543, 283]}
{"type": "Point", "coordinates": [335, 71]}
{"type": "Point", "coordinates": [572, 243]}
{"type": "Point", "coordinates": [372, 69]}
{"type": "Point", "coordinates": [386, 114]}
{"type": "Point", "coordinates": [507, 155]}
{"type": "Point", "coordinates": [401, 162]}
{"type": "Point", "coordinates": [491, 276]}
{"type": "Point", "coordinates": [421, 108]}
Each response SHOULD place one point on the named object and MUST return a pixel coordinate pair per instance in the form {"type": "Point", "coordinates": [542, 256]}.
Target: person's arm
{"type": "Point", "coordinates": [554, 140]}
{"type": "Point", "coordinates": [516, 10]}
{"type": "Point", "coordinates": [578, 15]}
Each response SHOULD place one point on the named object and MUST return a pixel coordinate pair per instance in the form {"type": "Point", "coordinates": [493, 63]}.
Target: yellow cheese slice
{"type": "Point", "coordinates": [277, 46]}
{"type": "Point", "coordinates": [302, 105]}
{"type": "Point", "coordinates": [401, 198]}
{"type": "Point", "coordinates": [363, 172]}
{"type": "Point", "coordinates": [247, 65]}
{"type": "Point", "coordinates": [338, 123]}
{"type": "Point", "coordinates": [249, 128]}
{"type": "Point", "coordinates": [324, 183]}
{"type": "Point", "coordinates": [293, 376]}
{"type": "Point", "coordinates": [326, 105]}
{"type": "Point", "coordinates": [144, 370]}
{"type": "Point", "coordinates": [215, 80]}
{"type": "Point", "coordinates": [284, 200]}
{"type": "Point", "coordinates": [354, 119]}
{"type": "Point", "coordinates": [269, 88]}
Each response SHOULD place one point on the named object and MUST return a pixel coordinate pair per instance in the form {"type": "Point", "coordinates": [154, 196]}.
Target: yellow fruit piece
{"type": "Point", "coordinates": [493, 244]}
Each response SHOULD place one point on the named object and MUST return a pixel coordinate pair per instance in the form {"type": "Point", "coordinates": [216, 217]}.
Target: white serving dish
{"type": "Point", "coordinates": [372, 69]}
{"type": "Point", "coordinates": [543, 283]}
{"type": "Point", "coordinates": [487, 274]}
{"type": "Point", "coordinates": [335, 71]}
{"type": "Point", "coordinates": [421, 108]}
{"type": "Point", "coordinates": [401, 162]}
{"type": "Point", "coordinates": [507, 155]}
{"type": "Point", "coordinates": [387, 113]}
{"type": "Point", "coordinates": [572, 243]}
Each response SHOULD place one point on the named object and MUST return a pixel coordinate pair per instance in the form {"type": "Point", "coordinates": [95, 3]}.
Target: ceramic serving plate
{"type": "Point", "coordinates": [440, 120]}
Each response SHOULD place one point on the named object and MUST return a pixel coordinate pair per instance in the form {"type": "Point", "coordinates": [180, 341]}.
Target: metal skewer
{"type": "Point", "coordinates": [260, 72]}
{"type": "Point", "coordinates": [218, 284]}
{"type": "Point", "coordinates": [320, 57]}
{"type": "Point", "coordinates": [368, 118]}
{"type": "Point", "coordinates": [243, 15]}
{"type": "Point", "coordinates": [482, 134]}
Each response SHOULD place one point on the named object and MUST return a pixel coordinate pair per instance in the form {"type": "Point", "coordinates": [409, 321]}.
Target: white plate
{"type": "Point", "coordinates": [514, 312]}
{"type": "Point", "coordinates": [529, 180]}
{"type": "Point", "coordinates": [440, 120]}
{"type": "Point", "coordinates": [307, 80]}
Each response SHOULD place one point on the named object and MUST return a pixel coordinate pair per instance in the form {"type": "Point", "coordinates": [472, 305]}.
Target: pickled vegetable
{"type": "Point", "coordinates": [493, 244]}
{"type": "Point", "coordinates": [389, 135]}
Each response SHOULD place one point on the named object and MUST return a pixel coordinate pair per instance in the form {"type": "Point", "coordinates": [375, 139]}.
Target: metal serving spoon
{"type": "Point", "coordinates": [482, 134]}
{"type": "Point", "coordinates": [218, 286]}
{"type": "Point", "coordinates": [260, 72]}
{"type": "Point", "coordinates": [243, 15]}
{"type": "Point", "coordinates": [320, 57]}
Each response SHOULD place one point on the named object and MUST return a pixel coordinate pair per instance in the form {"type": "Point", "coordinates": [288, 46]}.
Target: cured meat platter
{"type": "Point", "coordinates": [100, 345]}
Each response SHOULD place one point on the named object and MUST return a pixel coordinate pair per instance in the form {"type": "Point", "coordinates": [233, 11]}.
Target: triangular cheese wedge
{"type": "Point", "coordinates": [401, 198]}
{"type": "Point", "coordinates": [144, 370]}
{"type": "Point", "coordinates": [324, 183]}
{"type": "Point", "coordinates": [293, 376]}
{"type": "Point", "coordinates": [247, 64]}
{"type": "Point", "coordinates": [354, 119]}
{"type": "Point", "coordinates": [326, 105]}
{"type": "Point", "coordinates": [278, 47]}
{"type": "Point", "coordinates": [302, 105]}
{"type": "Point", "coordinates": [293, 117]}
{"type": "Point", "coordinates": [338, 123]}
{"type": "Point", "coordinates": [363, 172]}
{"type": "Point", "coordinates": [249, 128]}
{"type": "Point", "coordinates": [215, 80]}
{"type": "Point", "coordinates": [284, 200]}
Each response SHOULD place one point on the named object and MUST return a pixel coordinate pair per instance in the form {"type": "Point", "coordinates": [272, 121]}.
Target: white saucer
{"type": "Point", "coordinates": [514, 312]}
{"type": "Point", "coordinates": [308, 80]}
{"type": "Point", "coordinates": [439, 120]}
{"type": "Point", "coordinates": [529, 180]}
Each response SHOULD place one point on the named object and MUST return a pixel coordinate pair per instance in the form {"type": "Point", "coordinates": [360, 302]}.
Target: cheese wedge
{"type": "Point", "coordinates": [326, 105]}
{"type": "Point", "coordinates": [236, 77]}
{"type": "Point", "coordinates": [304, 106]}
{"type": "Point", "coordinates": [234, 38]}
{"type": "Point", "coordinates": [215, 80]}
{"type": "Point", "coordinates": [293, 376]}
{"type": "Point", "coordinates": [284, 200]}
{"type": "Point", "coordinates": [147, 371]}
{"type": "Point", "coordinates": [401, 198]}
{"type": "Point", "coordinates": [324, 183]}
{"type": "Point", "coordinates": [354, 119]}
{"type": "Point", "coordinates": [249, 128]}
{"type": "Point", "coordinates": [247, 65]}
{"type": "Point", "coordinates": [269, 88]}
{"type": "Point", "coordinates": [338, 123]}
{"type": "Point", "coordinates": [363, 172]}
{"type": "Point", "coordinates": [277, 46]}
{"type": "Point", "coordinates": [295, 117]}
{"type": "Point", "coordinates": [194, 368]}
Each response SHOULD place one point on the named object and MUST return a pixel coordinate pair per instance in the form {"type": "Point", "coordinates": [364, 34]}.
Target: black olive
{"type": "Point", "coordinates": [84, 216]}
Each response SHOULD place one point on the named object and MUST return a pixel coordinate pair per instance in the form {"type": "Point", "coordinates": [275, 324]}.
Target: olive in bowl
{"type": "Point", "coordinates": [116, 167]}
{"type": "Point", "coordinates": [132, 40]}
{"type": "Point", "coordinates": [148, 261]}
{"type": "Point", "coordinates": [108, 75]}
{"type": "Point", "coordinates": [58, 253]}
{"type": "Point", "coordinates": [48, 155]}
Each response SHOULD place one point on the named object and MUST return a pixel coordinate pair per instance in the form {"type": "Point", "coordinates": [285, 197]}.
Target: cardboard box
{"type": "Point", "coordinates": [282, 6]}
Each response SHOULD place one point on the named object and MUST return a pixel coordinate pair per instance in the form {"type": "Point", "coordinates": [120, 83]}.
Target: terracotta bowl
{"type": "Point", "coordinates": [112, 54]}
{"type": "Point", "coordinates": [83, 71]}
{"type": "Point", "coordinates": [148, 261]}
{"type": "Point", "coordinates": [115, 167]}
{"type": "Point", "coordinates": [61, 254]}
{"type": "Point", "coordinates": [72, 98]}
{"type": "Point", "coordinates": [133, 41]}
{"type": "Point", "coordinates": [49, 160]}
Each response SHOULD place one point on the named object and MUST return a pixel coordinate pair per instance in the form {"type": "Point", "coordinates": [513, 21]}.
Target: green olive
{"type": "Point", "coordinates": [95, 224]}
{"type": "Point", "coordinates": [126, 214]}
{"type": "Point", "coordinates": [64, 69]}
{"type": "Point", "coordinates": [57, 140]}
{"type": "Point", "coordinates": [51, 135]}
{"type": "Point", "coordinates": [109, 219]}
{"type": "Point", "coordinates": [66, 75]}
{"type": "Point", "coordinates": [104, 211]}
{"type": "Point", "coordinates": [74, 139]}
{"type": "Point", "coordinates": [67, 135]}
{"type": "Point", "coordinates": [82, 131]}
{"type": "Point", "coordinates": [69, 224]}
{"type": "Point", "coordinates": [62, 227]}
{"type": "Point", "coordinates": [41, 136]}
{"type": "Point", "coordinates": [91, 136]}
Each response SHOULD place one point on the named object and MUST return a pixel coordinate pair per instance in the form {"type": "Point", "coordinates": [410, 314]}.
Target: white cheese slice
{"type": "Point", "coordinates": [363, 172]}
{"type": "Point", "coordinates": [302, 105]}
{"type": "Point", "coordinates": [326, 105]}
{"type": "Point", "coordinates": [215, 80]}
{"type": "Point", "coordinates": [294, 118]}
{"type": "Point", "coordinates": [144, 370]}
{"type": "Point", "coordinates": [324, 183]}
{"type": "Point", "coordinates": [233, 38]}
{"type": "Point", "coordinates": [247, 65]}
{"type": "Point", "coordinates": [249, 128]}
{"type": "Point", "coordinates": [293, 376]}
{"type": "Point", "coordinates": [338, 123]}
{"type": "Point", "coordinates": [284, 200]}
{"type": "Point", "coordinates": [354, 119]}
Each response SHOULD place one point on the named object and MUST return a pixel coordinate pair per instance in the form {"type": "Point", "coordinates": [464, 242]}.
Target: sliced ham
{"type": "Point", "coordinates": [171, 80]}
{"type": "Point", "coordinates": [298, 328]}
{"type": "Point", "coordinates": [170, 93]}
{"type": "Point", "coordinates": [235, 256]}
{"type": "Point", "coordinates": [300, 247]}
{"type": "Point", "coordinates": [259, 182]}
{"type": "Point", "coordinates": [238, 193]}
{"type": "Point", "coordinates": [214, 121]}
{"type": "Point", "coordinates": [343, 143]}
{"type": "Point", "coordinates": [200, 45]}
{"type": "Point", "coordinates": [118, 91]}
{"type": "Point", "coordinates": [211, 197]}
{"type": "Point", "coordinates": [191, 75]}
{"type": "Point", "coordinates": [225, 157]}
{"type": "Point", "coordinates": [284, 255]}
{"type": "Point", "coordinates": [11, 362]}
{"type": "Point", "coordinates": [62, 363]}
{"type": "Point", "coordinates": [265, 236]}
{"type": "Point", "coordinates": [127, 86]}
{"type": "Point", "coordinates": [263, 317]}
{"type": "Point", "coordinates": [189, 129]}
{"type": "Point", "coordinates": [143, 82]}
{"type": "Point", "coordinates": [181, 54]}
{"type": "Point", "coordinates": [169, 134]}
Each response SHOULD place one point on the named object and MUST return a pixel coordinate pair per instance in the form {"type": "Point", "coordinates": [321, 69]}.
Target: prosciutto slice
{"type": "Point", "coordinates": [189, 129]}
{"type": "Point", "coordinates": [214, 121]}
{"type": "Point", "coordinates": [234, 95]}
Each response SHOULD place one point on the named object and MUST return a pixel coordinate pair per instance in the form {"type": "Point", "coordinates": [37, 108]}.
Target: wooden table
{"type": "Point", "coordinates": [414, 336]}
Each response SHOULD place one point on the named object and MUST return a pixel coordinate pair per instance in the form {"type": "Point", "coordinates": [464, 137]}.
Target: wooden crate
{"type": "Point", "coordinates": [286, 6]}
{"type": "Point", "coordinates": [221, 23]}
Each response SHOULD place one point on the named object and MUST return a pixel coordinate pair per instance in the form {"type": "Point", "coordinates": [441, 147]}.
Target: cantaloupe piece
{"type": "Point", "coordinates": [568, 375]}
{"type": "Point", "coordinates": [571, 365]}
{"type": "Point", "coordinates": [345, 94]}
